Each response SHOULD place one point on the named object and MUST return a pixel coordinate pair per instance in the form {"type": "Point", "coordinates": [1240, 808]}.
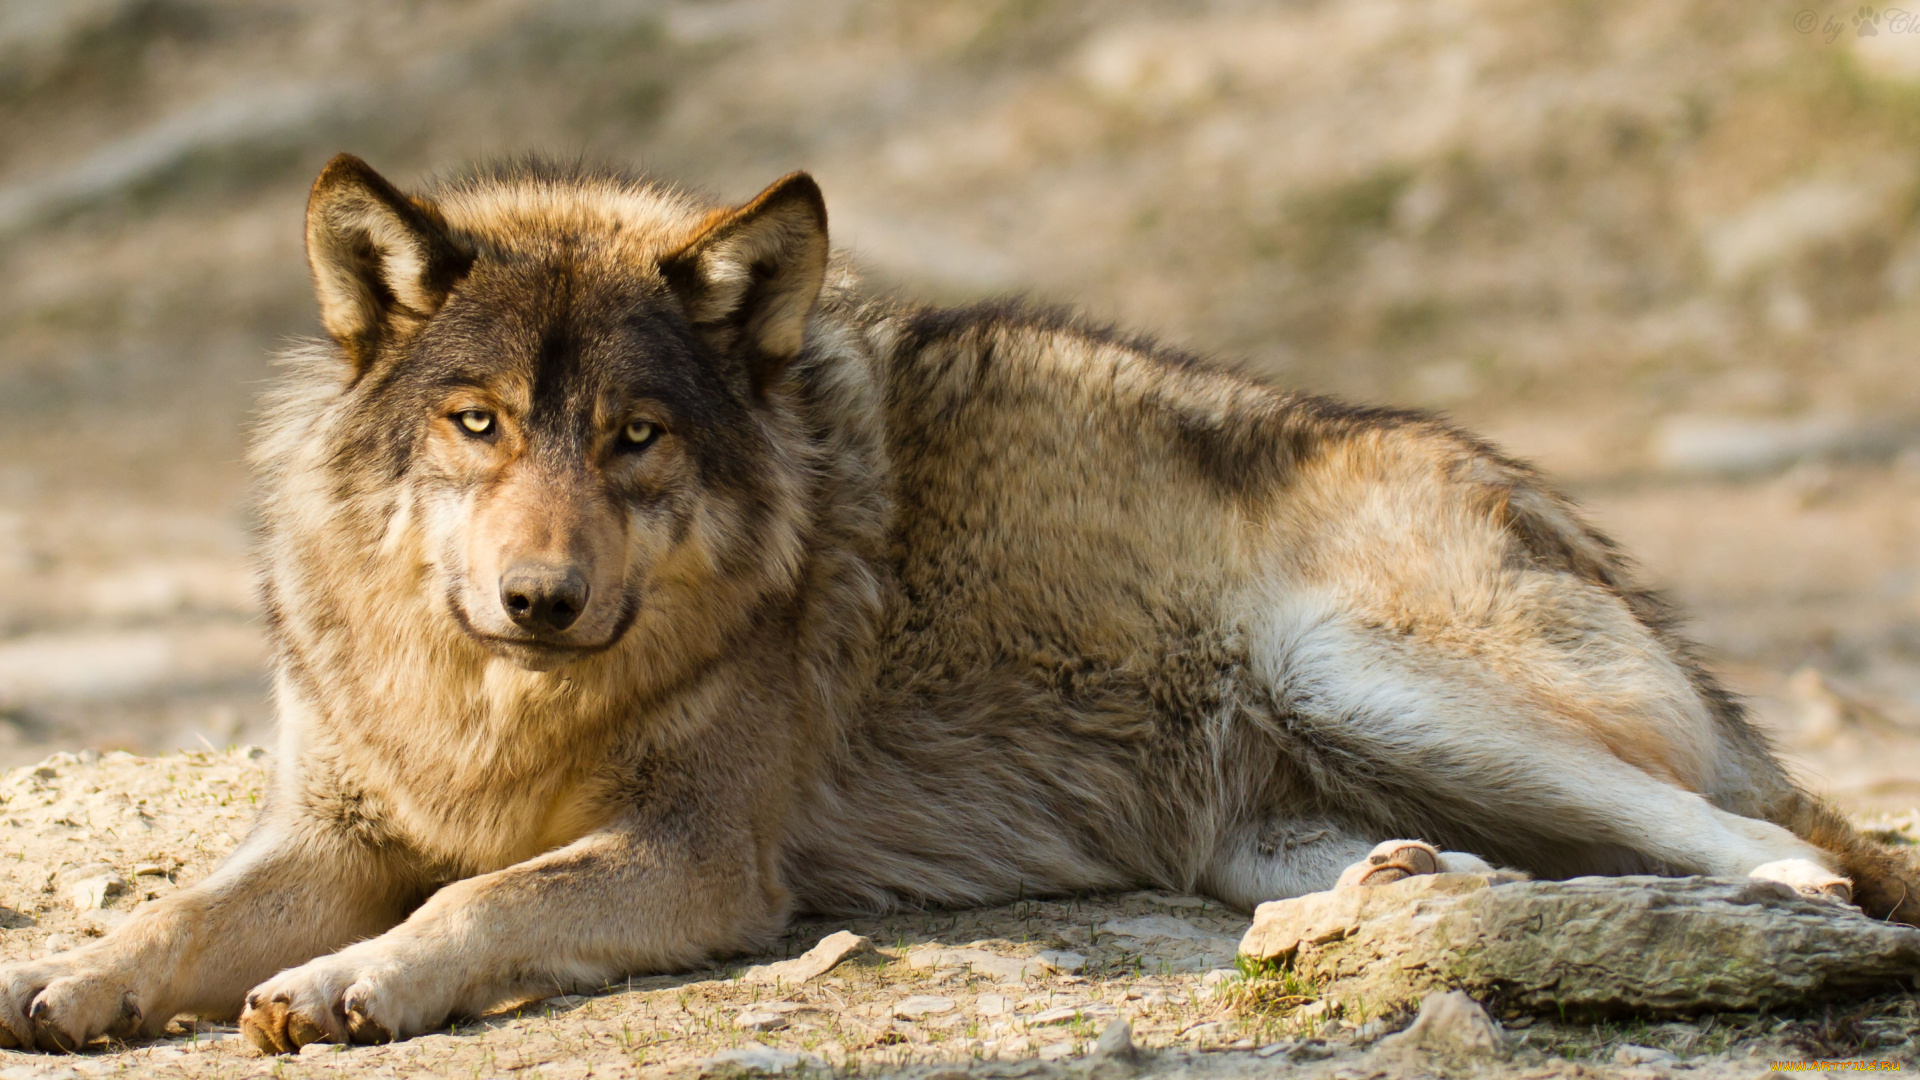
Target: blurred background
{"type": "Point", "coordinates": [1667, 249]}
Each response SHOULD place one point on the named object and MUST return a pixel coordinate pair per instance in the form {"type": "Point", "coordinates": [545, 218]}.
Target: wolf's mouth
{"type": "Point", "coordinates": [533, 654]}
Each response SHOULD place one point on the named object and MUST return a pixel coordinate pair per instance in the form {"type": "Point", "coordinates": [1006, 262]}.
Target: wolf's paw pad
{"type": "Point", "coordinates": [1809, 878]}
{"type": "Point", "coordinates": [1391, 861]}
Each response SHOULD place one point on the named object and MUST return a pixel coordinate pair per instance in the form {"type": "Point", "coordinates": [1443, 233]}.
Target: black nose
{"type": "Point", "coordinates": [542, 598]}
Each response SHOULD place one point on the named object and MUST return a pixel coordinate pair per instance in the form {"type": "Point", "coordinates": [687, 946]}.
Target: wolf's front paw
{"type": "Point", "coordinates": [351, 996]}
{"type": "Point", "coordinates": [64, 1002]}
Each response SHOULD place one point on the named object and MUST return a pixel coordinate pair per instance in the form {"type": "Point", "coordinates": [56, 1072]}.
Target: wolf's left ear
{"type": "Point", "coordinates": [751, 276]}
{"type": "Point", "coordinates": [380, 260]}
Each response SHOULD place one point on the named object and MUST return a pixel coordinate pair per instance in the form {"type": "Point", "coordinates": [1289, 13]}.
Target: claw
{"type": "Point", "coordinates": [47, 1034]}
{"type": "Point", "coordinates": [1391, 861]}
{"type": "Point", "coordinates": [361, 1026]}
{"type": "Point", "coordinates": [1399, 864]}
{"type": "Point", "coordinates": [130, 1017]}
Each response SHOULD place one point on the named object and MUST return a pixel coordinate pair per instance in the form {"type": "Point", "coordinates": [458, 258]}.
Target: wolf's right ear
{"type": "Point", "coordinates": [381, 261]}
{"type": "Point", "coordinates": [751, 275]}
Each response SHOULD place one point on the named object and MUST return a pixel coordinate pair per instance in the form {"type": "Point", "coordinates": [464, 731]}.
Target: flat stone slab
{"type": "Point", "coordinates": [1588, 947]}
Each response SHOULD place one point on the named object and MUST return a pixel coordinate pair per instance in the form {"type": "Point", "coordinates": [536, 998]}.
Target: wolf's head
{"type": "Point", "coordinates": [560, 387]}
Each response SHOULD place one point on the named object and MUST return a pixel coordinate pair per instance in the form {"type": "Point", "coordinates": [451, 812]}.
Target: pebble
{"type": "Point", "coordinates": [1065, 1014]}
{"type": "Point", "coordinates": [815, 962]}
{"type": "Point", "coordinates": [921, 1005]}
{"type": "Point", "coordinates": [760, 1059]}
{"type": "Point", "coordinates": [1116, 1043]}
{"type": "Point", "coordinates": [759, 1020]}
{"type": "Point", "coordinates": [1630, 1054]}
{"type": "Point", "coordinates": [89, 887]}
{"type": "Point", "coordinates": [1450, 1022]}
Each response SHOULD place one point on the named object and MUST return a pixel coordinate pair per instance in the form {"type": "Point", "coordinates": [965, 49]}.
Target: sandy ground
{"type": "Point", "coordinates": [1022, 990]}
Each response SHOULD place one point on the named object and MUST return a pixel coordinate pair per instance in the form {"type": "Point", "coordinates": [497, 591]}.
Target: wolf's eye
{"type": "Point", "coordinates": [639, 433]}
{"type": "Point", "coordinates": [475, 422]}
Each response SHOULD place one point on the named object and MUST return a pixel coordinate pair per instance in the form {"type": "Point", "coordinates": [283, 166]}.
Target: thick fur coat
{"type": "Point", "coordinates": [637, 583]}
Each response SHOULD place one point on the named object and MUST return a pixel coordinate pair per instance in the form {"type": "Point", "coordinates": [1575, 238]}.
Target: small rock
{"type": "Point", "coordinates": [1218, 976]}
{"type": "Point", "coordinates": [1116, 1043]}
{"type": "Point", "coordinates": [812, 964]}
{"type": "Point", "coordinates": [87, 757]}
{"type": "Point", "coordinates": [1055, 1051]}
{"type": "Point", "coordinates": [1450, 1022]}
{"type": "Point", "coordinates": [920, 1006]}
{"type": "Point", "coordinates": [60, 942]}
{"type": "Point", "coordinates": [1064, 962]}
{"type": "Point", "coordinates": [759, 1020]}
{"type": "Point", "coordinates": [760, 1059]}
{"type": "Point", "coordinates": [1629, 1054]}
{"type": "Point", "coordinates": [147, 869]}
{"type": "Point", "coordinates": [993, 1005]}
{"type": "Point", "coordinates": [88, 887]}
{"type": "Point", "coordinates": [1065, 1014]}
{"type": "Point", "coordinates": [315, 1049]}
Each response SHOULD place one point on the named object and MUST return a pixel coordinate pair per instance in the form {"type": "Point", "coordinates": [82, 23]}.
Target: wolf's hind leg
{"type": "Point", "coordinates": [1518, 763]}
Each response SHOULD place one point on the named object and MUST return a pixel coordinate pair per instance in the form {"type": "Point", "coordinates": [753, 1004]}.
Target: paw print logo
{"type": "Point", "coordinates": [1866, 22]}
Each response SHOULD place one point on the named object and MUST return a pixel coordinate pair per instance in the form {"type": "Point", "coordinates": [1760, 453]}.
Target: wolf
{"type": "Point", "coordinates": [636, 581]}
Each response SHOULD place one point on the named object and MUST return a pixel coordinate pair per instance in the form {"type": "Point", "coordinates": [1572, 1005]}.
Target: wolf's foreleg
{"type": "Point", "coordinates": [290, 892]}
{"type": "Point", "coordinates": [639, 896]}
